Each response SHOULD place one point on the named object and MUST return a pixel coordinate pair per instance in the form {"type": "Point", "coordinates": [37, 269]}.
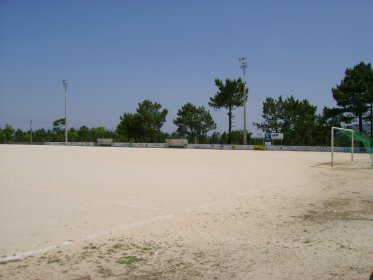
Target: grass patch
{"type": "Point", "coordinates": [127, 260]}
{"type": "Point", "coordinates": [118, 246]}
{"type": "Point", "coordinates": [51, 260]}
{"type": "Point", "coordinates": [90, 247]}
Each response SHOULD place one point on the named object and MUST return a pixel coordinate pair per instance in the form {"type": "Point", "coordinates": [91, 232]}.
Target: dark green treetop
{"type": "Point", "coordinates": [145, 124]}
{"type": "Point", "coordinates": [194, 122]}
{"type": "Point", "coordinates": [354, 93]}
{"type": "Point", "coordinates": [230, 96]}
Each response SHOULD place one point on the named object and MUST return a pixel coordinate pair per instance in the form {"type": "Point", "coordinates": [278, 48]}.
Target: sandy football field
{"type": "Point", "coordinates": [85, 213]}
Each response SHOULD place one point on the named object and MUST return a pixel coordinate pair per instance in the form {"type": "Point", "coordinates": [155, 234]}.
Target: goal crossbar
{"type": "Point", "coordinates": [361, 152]}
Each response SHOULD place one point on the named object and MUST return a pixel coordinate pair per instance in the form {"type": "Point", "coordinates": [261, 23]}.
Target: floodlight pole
{"type": "Point", "coordinates": [243, 64]}
{"type": "Point", "coordinates": [65, 86]}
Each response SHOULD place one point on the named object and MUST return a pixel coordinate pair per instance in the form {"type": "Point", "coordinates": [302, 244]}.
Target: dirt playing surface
{"type": "Point", "coordinates": [126, 213]}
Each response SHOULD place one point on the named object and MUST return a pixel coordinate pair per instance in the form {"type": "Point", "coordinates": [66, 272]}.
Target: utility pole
{"type": "Point", "coordinates": [30, 131]}
{"type": "Point", "coordinates": [65, 86]}
{"type": "Point", "coordinates": [243, 64]}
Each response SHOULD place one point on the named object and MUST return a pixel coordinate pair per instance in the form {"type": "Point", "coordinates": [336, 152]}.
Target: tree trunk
{"type": "Point", "coordinates": [230, 125]}
{"type": "Point", "coordinates": [360, 122]}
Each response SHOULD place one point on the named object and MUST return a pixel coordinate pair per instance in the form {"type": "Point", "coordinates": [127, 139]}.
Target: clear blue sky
{"type": "Point", "coordinates": [116, 53]}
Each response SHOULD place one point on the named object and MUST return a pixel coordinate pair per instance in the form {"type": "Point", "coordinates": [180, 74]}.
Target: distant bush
{"type": "Point", "coordinates": [259, 147]}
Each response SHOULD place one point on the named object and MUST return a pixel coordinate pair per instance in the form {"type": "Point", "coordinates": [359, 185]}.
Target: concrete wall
{"type": "Point", "coordinates": [299, 148]}
{"type": "Point", "coordinates": [176, 143]}
{"type": "Point", "coordinates": [268, 148]}
{"type": "Point", "coordinates": [71, 143]}
{"type": "Point", "coordinates": [147, 145]}
{"type": "Point", "coordinates": [114, 144]}
{"type": "Point", "coordinates": [214, 146]}
{"type": "Point", "coordinates": [104, 142]}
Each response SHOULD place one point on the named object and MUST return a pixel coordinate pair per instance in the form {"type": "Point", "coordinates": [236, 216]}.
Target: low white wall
{"type": "Point", "coordinates": [212, 146]}
{"type": "Point", "coordinates": [268, 148]}
{"type": "Point", "coordinates": [119, 144]}
{"type": "Point", "coordinates": [104, 141]}
{"type": "Point", "coordinates": [147, 145]}
{"type": "Point", "coordinates": [299, 148]}
{"type": "Point", "coordinates": [70, 143]}
{"type": "Point", "coordinates": [176, 143]}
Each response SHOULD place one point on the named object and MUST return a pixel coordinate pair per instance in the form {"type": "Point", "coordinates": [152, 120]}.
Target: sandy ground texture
{"type": "Point", "coordinates": [85, 213]}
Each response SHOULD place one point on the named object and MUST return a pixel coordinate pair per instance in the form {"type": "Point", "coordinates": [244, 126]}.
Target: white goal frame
{"type": "Point", "coordinates": [332, 143]}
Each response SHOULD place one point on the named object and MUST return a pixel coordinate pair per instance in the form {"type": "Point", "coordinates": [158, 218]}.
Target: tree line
{"type": "Point", "coordinates": [297, 119]}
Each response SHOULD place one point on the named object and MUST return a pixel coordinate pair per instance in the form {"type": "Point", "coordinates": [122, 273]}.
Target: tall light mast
{"type": "Point", "coordinates": [65, 85]}
{"type": "Point", "coordinates": [243, 64]}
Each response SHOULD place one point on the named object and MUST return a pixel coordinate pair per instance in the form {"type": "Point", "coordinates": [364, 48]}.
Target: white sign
{"type": "Point", "coordinates": [258, 135]}
{"type": "Point", "coordinates": [277, 136]}
{"type": "Point", "coordinates": [274, 136]}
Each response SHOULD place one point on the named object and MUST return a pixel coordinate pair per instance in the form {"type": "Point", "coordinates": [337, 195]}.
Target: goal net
{"type": "Point", "coordinates": [350, 148]}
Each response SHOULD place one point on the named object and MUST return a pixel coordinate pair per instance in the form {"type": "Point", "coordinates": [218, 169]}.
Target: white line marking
{"type": "Point", "coordinates": [133, 225]}
{"type": "Point", "coordinates": [67, 243]}
{"type": "Point", "coordinates": [26, 254]}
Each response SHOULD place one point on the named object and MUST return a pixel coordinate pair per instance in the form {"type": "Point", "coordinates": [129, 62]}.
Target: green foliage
{"type": "Point", "coordinates": [101, 132]}
{"type": "Point", "coordinates": [129, 127]}
{"type": "Point", "coordinates": [230, 96]}
{"type": "Point", "coordinates": [236, 137]}
{"type": "Point", "coordinates": [7, 134]}
{"type": "Point", "coordinates": [21, 136]}
{"type": "Point", "coordinates": [215, 138]}
{"type": "Point", "coordinates": [299, 121]}
{"type": "Point", "coordinates": [59, 130]}
{"type": "Point", "coordinates": [42, 135]}
{"type": "Point", "coordinates": [272, 115]}
{"type": "Point", "coordinates": [59, 125]}
{"type": "Point", "coordinates": [322, 131]}
{"type": "Point", "coordinates": [194, 122]}
{"type": "Point", "coordinates": [144, 125]}
{"type": "Point", "coordinates": [354, 94]}
{"type": "Point", "coordinates": [84, 134]}
{"type": "Point", "coordinates": [73, 135]}
{"type": "Point", "coordinates": [151, 115]}
{"type": "Point", "coordinates": [259, 147]}
{"type": "Point", "coordinates": [296, 119]}
{"type": "Point", "coordinates": [127, 260]}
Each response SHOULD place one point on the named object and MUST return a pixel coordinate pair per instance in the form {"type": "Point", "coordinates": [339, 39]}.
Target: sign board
{"type": "Point", "coordinates": [268, 139]}
{"type": "Point", "coordinates": [277, 136]}
{"type": "Point", "coordinates": [258, 135]}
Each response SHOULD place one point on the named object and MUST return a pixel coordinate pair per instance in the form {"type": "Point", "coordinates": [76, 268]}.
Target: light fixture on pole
{"type": "Point", "coordinates": [65, 86]}
{"type": "Point", "coordinates": [243, 64]}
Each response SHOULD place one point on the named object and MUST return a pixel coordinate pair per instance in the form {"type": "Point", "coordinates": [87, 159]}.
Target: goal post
{"type": "Point", "coordinates": [332, 142]}
{"type": "Point", "coordinates": [350, 148]}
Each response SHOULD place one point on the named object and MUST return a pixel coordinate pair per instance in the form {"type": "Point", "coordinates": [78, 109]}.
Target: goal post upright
{"type": "Point", "coordinates": [332, 143]}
